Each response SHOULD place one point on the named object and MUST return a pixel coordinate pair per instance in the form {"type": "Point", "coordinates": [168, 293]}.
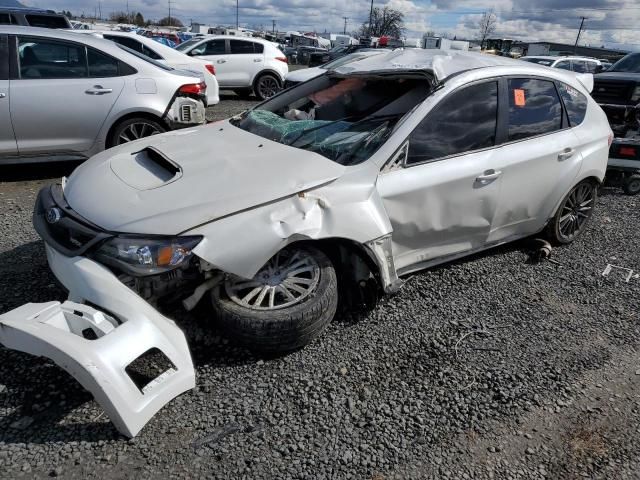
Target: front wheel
{"type": "Point", "coordinates": [574, 213]}
{"type": "Point", "coordinates": [287, 304]}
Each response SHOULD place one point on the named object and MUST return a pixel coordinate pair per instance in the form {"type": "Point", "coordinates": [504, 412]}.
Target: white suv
{"type": "Point", "coordinates": [575, 64]}
{"type": "Point", "coordinates": [244, 65]}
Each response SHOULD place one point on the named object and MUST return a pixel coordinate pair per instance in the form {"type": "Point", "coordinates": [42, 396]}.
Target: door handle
{"type": "Point", "coordinates": [488, 176]}
{"type": "Point", "coordinates": [2, 95]}
{"type": "Point", "coordinates": [257, 59]}
{"type": "Point", "coordinates": [566, 153]}
{"type": "Point", "coordinates": [98, 90]}
{"type": "Point", "coordinates": [222, 60]}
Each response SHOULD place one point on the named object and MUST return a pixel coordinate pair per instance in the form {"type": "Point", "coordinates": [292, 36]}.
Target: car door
{"type": "Point", "coordinates": [442, 202]}
{"type": "Point", "coordinates": [62, 95]}
{"type": "Point", "coordinates": [245, 60]}
{"type": "Point", "coordinates": [8, 145]}
{"type": "Point", "coordinates": [539, 160]}
{"type": "Point", "coordinates": [215, 51]}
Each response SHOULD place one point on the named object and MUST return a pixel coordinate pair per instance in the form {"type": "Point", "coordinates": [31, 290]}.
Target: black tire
{"type": "Point", "coordinates": [144, 127]}
{"type": "Point", "coordinates": [574, 213]}
{"type": "Point", "coordinates": [243, 92]}
{"type": "Point", "coordinates": [266, 86]}
{"type": "Point", "coordinates": [632, 184]}
{"type": "Point", "coordinates": [287, 328]}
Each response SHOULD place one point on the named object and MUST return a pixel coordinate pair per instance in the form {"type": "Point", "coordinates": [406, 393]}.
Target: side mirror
{"type": "Point", "coordinates": [398, 160]}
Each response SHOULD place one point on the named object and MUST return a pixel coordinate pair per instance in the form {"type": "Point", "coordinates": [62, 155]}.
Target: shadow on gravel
{"type": "Point", "coordinates": [36, 171]}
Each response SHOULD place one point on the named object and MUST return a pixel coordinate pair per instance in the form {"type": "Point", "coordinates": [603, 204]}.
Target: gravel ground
{"type": "Point", "coordinates": [491, 367]}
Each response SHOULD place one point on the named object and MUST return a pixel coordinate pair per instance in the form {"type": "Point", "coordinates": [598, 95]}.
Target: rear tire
{"type": "Point", "coordinates": [574, 213]}
{"type": "Point", "coordinates": [133, 129]}
{"type": "Point", "coordinates": [266, 86]}
{"type": "Point", "coordinates": [632, 184]}
{"type": "Point", "coordinates": [280, 328]}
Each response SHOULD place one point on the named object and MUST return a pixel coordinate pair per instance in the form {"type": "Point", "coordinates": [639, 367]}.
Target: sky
{"type": "Point", "coordinates": [610, 23]}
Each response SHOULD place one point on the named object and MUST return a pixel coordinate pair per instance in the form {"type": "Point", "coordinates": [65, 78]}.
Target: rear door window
{"type": "Point", "coordinates": [44, 58]}
{"type": "Point", "coordinates": [579, 66]}
{"type": "Point", "coordinates": [564, 65]}
{"type": "Point", "coordinates": [534, 108]}
{"type": "Point", "coordinates": [575, 103]}
{"type": "Point", "coordinates": [239, 47]}
{"type": "Point", "coordinates": [5, 19]}
{"type": "Point", "coordinates": [214, 47]}
{"type": "Point", "coordinates": [463, 122]}
{"type": "Point", "coordinates": [101, 65]}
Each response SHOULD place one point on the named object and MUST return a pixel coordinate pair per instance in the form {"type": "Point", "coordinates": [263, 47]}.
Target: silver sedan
{"type": "Point", "coordinates": [66, 97]}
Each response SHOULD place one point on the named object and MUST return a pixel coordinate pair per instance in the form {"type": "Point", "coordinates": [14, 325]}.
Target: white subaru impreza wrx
{"type": "Point", "coordinates": [338, 186]}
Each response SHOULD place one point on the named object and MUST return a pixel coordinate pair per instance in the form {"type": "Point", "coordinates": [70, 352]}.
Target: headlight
{"type": "Point", "coordinates": [636, 94]}
{"type": "Point", "coordinates": [146, 256]}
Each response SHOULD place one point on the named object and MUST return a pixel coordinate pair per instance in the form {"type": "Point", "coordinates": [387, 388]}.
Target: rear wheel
{"type": "Point", "coordinates": [632, 184]}
{"type": "Point", "coordinates": [134, 129]}
{"type": "Point", "coordinates": [574, 213]}
{"type": "Point", "coordinates": [266, 86]}
{"type": "Point", "coordinates": [287, 304]}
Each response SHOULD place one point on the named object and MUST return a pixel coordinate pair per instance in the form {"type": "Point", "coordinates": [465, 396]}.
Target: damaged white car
{"type": "Point", "coordinates": [336, 187]}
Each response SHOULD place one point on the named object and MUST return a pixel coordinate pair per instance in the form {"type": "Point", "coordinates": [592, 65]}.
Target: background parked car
{"type": "Point", "coordinates": [31, 17]}
{"type": "Point", "coordinates": [168, 56]}
{"type": "Point", "coordinates": [65, 96]}
{"type": "Point", "coordinates": [302, 75]}
{"type": "Point", "coordinates": [244, 65]}
{"type": "Point", "coordinates": [575, 64]}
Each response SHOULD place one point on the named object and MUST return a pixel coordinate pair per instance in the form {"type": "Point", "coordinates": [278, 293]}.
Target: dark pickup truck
{"type": "Point", "coordinates": [617, 91]}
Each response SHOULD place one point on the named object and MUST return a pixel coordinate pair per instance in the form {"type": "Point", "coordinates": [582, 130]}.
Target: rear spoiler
{"type": "Point", "coordinates": [586, 79]}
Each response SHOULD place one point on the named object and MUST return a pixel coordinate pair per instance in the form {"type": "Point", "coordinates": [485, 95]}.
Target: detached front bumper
{"type": "Point", "coordinates": [96, 347]}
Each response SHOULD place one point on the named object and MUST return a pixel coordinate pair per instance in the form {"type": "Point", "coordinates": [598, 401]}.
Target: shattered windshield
{"type": "Point", "coordinates": [629, 64]}
{"type": "Point", "coordinates": [343, 119]}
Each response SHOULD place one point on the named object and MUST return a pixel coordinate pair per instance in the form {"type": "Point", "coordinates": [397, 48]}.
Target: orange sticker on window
{"type": "Point", "coordinates": [518, 96]}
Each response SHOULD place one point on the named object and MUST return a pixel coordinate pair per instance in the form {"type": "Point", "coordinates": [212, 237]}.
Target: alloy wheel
{"type": "Point", "coordinates": [577, 209]}
{"type": "Point", "coordinates": [286, 280]}
{"type": "Point", "coordinates": [268, 86]}
{"type": "Point", "coordinates": [137, 130]}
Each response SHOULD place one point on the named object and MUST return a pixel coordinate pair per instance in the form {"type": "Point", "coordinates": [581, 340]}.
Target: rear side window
{"type": "Point", "coordinates": [101, 65]}
{"type": "Point", "coordinates": [258, 48]}
{"type": "Point", "coordinates": [564, 65]}
{"type": "Point", "coordinates": [47, 21]}
{"type": "Point", "coordinates": [134, 45]}
{"type": "Point", "coordinates": [5, 19]}
{"type": "Point", "coordinates": [44, 58]}
{"type": "Point", "coordinates": [464, 121]}
{"type": "Point", "coordinates": [534, 108]}
{"type": "Point", "coordinates": [240, 46]}
{"type": "Point", "coordinates": [574, 102]}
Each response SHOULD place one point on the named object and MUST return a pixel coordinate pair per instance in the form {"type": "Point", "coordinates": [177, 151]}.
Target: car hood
{"type": "Point", "coordinates": [170, 183]}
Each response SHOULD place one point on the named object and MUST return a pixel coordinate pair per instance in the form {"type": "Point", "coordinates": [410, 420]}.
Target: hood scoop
{"type": "Point", "coordinates": [145, 169]}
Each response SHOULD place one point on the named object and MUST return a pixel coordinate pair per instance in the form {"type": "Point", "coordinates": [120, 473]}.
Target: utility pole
{"type": "Point", "coordinates": [169, 2]}
{"type": "Point", "coordinates": [128, 11]}
{"type": "Point", "coordinates": [273, 26]}
{"type": "Point", "coordinates": [237, 9]}
{"type": "Point", "coordinates": [371, 19]}
{"type": "Point", "coordinates": [575, 47]}
{"type": "Point", "coordinates": [345, 25]}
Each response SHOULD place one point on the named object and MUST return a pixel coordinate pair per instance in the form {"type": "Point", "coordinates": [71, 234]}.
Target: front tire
{"type": "Point", "coordinates": [288, 303]}
{"type": "Point", "coordinates": [574, 213]}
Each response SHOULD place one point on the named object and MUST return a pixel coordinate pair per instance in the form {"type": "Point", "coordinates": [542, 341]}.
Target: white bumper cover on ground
{"type": "Point", "coordinates": [96, 348]}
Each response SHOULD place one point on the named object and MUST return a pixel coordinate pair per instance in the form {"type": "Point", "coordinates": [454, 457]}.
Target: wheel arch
{"type": "Point", "coordinates": [592, 176]}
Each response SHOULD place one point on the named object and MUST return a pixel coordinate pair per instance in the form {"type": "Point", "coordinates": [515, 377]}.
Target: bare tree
{"type": "Point", "coordinates": [384, 21]}
{"type": "Point", "coordinates": [487, 26]}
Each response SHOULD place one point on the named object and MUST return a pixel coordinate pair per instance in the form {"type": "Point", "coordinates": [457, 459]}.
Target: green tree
{"type": "Point", "coordinates": [164, 22]}
{"type": "Point", "coordinates": [384, 21]}
{"type": "Point", "coordinates": [139, 20]}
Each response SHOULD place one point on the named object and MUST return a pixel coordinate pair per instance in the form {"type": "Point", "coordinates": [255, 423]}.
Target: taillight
{"type": "Point", "coordinates": [610, 139]}
{"type": "Point", "coordinates": [194, 88]}
{"type": "Point", "coordinates": [211, 68]}
{"type": "Point", "coordinates": [282, 59]}
{"type": "Point", "coordinates": [627, 151]}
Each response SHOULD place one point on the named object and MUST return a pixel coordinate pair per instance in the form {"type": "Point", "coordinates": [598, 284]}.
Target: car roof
{"type": "Point", "coordinates": [564, 57]}
{"type": "Point", "coordinates": [235, 37]}
{"type": "Point", "coordinates": [441, 63]}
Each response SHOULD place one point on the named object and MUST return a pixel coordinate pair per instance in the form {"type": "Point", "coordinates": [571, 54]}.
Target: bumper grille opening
{"type": "Point", "coordinates": [149, 369]}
